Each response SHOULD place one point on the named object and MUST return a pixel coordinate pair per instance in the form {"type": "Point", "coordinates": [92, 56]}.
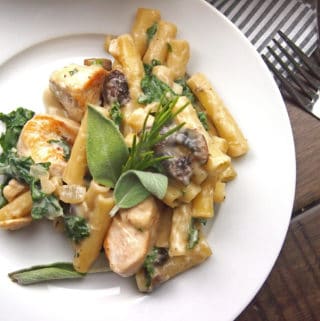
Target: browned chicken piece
{"type": "Point", "coordinates": [130, 237]}
{"type": "Point", "coordinates": [40, 139]}
{"type": "Point", "coordinates": [75, 86]}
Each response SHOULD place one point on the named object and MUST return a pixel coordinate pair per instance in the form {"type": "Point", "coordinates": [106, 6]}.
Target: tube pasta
{"type": "Point", "coordinates": [219, 114]}
{"type": "Point", "coordinates": [178, 57]}
{"type": "Point", "coordinates": [174, 266]}
{"type": "Point", "coordinates": [144, 19]}
{"type": "Point", "coordinates": [100, 202]}
{"type": "Point", "coordinates": [19, 207]}
{"type": "Point", "coordinates": [219, 193]}
{"type": "Point", "coordinates": [228, 174]}
{"type": "Point", "coordinates": [158, 47]}
{"type": "Point", "coordinates": [126, 53]}
{"type": "Point", "coordinates": [165, 221]}
{"type": "Point", "coordinates": [77, 164]}
{"type": "Point", "coordinates": [202, 205]}
{"type": "Point", "coordinates": [181, 220]}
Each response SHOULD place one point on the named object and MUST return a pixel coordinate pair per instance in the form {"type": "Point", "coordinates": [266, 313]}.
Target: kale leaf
{"type": "Point", "coordinates": [76, 227]}
{"type": "Point", "coordinates": [47, 206]}
{"type": "Point", "coordinates": [14, 122]}
{"type": "Point", "coordinates": [153, 89]}
{"type": "Point", "coordinates": [193, 237]}
{"type": "Point", "coordinates": [115, 113]}
{"type": "Point", "coordinates": [186, 91]}
{"type": "Point", "coordinates": [151, 31]}
{"type": "Point", "coordinates": [156, 257]}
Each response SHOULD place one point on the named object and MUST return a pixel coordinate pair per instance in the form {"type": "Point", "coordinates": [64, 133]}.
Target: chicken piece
{"type": "Point", "coordinates": [42, 137]}
{"type": "Point", "coordinates": [126, 246]}
{"type": "Point", "coordinates": [75, 86]}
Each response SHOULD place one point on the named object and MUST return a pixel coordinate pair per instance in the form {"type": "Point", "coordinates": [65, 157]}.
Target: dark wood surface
{"type": "Point", "coordinates": [292, 290]}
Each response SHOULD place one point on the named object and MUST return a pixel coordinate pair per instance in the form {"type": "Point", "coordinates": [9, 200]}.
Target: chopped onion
{"type": "Point", "coordinates": [48, 186]}
{"type": "Point", "coordinates": [72, 194]}
{"type": "Point", "coordinates": [38, 171]}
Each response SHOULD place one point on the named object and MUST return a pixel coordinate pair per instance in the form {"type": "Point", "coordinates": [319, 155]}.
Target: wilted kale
{"type": "Point", "coordinates": [186, 91]}
{"type": "Point", "coordinates": [14, 122]}
{"type": "Point", "coordinates": [76, 227]}
{"type": "Point", "coordinates": [156, 257]}
{"type": "Point", "coordinates": [151, 31]}
{"type": "Point", "coordinates": [152, 87]}
{"type": "Point", "coordinates": [115, 113]}
{"type": "Point", "coordinates": [193, 237]}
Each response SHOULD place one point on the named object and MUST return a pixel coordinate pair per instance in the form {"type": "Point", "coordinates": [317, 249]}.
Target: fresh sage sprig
{"type": "Point", "coordinates": [135, 186]}
{"type": "Point", "coordinates": [106, 149]}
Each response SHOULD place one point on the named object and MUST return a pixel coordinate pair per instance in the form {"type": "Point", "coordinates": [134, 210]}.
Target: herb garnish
{"type": "Point", "coordinates": [193, 237]}
{"type": "Point", "coordinates": [151, 31]}
{"type": "Point", "coordinates": [112, 164]}
{"type": "Point", "coordinates": [115, 113]}
{"type": "Point", "coordinates": [203, 118]}
{"type": "Point", "coordinates": [141, 155]}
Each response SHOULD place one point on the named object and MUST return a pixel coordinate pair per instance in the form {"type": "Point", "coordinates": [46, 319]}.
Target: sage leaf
{"type": "Point", "coordinates": [135, 186]}
{"type": "Point", "coordinates": [54, 271]}
{"type": "Point", "coordinates": [106, 149]}
{"type": "Point", "coordinates": [42, 273]}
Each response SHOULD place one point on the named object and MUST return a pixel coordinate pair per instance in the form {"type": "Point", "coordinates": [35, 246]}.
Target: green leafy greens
{"type": "Point", "coordinates": [151, 31]}
{"type": "Point", "coordinates": [115, 113]}
{"type": "Point", "coordinates": [193, 236]}
{"type": "Point", "coordinates": [203, 118]}
{"type": "Point", "coordinates": [152, 87]}
{"type": "Point", "coordinates": [14, 122]}
{"type": "Point", "coordinates": [76, 228]}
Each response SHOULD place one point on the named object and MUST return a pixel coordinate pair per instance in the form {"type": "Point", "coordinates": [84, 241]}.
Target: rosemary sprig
{"type": "Point", "coordinates": [141, 155]}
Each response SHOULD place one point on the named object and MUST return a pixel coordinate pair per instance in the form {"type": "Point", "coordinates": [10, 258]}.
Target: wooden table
{"type": "Point", "coordinates": [292, 290]}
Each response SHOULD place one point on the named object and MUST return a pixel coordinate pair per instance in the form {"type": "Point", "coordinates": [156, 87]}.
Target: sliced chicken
{"type": "Point", "coordinates": [40, 139]}
{"type": "Point", "coordinates": [75, 86]}
{"type": "Point", "coordinates": [131, 235]}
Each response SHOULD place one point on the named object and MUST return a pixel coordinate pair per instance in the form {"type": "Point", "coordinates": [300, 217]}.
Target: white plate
{"type": "Point", "coordinates": [249, 229]}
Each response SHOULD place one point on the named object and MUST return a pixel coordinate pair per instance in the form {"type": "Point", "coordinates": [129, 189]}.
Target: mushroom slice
{"type": "Point", "coordinates": [184, 147]}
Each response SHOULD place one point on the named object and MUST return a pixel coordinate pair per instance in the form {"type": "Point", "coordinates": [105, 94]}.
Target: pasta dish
{"type": "Point", "coordinates": [131, 162]}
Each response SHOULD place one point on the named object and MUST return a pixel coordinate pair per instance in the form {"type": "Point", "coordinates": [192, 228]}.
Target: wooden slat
{"type": "Point", "coordinates": [306, 130]}
{"type": "Point", "coordinates": [292, 291]}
